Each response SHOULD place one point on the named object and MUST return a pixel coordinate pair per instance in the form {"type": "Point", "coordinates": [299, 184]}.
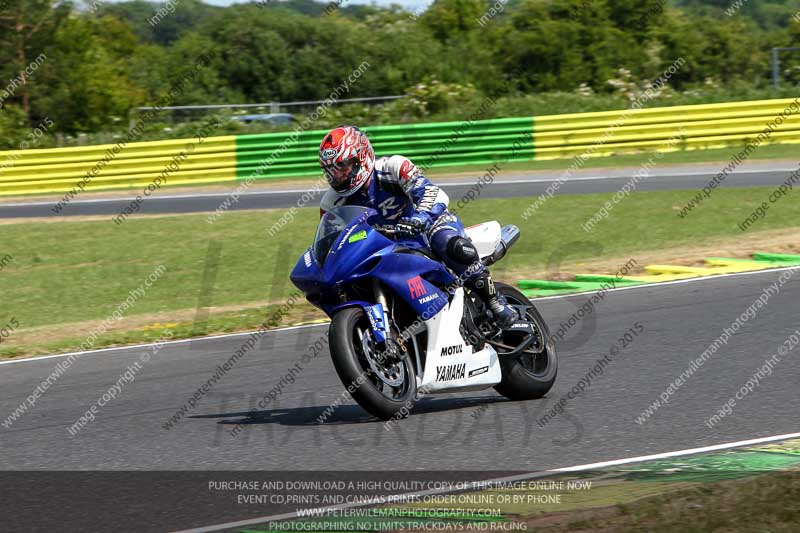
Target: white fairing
{"type": "Point", "coordinates": [485, 237]}
{"type": "Point", "coordinates": [451, 363]}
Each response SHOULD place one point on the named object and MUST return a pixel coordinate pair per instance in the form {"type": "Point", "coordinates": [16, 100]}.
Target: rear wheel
{"type": "Point", "coordinates": [530, 374]}
{"type": "Point", "coordinates": [384, 388]}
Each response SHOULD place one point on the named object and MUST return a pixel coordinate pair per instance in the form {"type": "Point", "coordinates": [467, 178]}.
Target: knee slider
{"type": "Point", "coordinates": [462, 250]}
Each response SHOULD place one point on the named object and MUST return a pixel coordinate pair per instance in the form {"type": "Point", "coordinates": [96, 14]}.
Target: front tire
{"type": "Point", "coordinates": [528, 376]}
{"type": "Point", "coordinates": [384, 391]}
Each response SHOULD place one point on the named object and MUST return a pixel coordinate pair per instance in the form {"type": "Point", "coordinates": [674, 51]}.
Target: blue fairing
{"type": "Point", "coordinates": [347, 250]}
{"type": "Point", "coordinates": [375, 314]}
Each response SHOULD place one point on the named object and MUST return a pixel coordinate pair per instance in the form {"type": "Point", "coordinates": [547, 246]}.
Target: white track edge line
{"type": "Point", "coordinates": [579, 468]}
{"type": "Point", "coordinates": [289, 328]}
{"type": "Point", "coordinates": [150, 344]}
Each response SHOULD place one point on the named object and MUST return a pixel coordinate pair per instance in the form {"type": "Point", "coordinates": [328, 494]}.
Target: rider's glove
{"type": "Point", "coordinates": [414, 225]}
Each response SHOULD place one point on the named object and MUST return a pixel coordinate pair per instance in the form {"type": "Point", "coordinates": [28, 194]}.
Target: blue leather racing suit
{"type": "Point", "coordinates": [398, 190]}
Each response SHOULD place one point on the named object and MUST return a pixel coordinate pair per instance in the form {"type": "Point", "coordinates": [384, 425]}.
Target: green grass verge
{"type": "Point", "coordinates": [770, 500]}
{"type": "Point", "coordinates": [70, 272]}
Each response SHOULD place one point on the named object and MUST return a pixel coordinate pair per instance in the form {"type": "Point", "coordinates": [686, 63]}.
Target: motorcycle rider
{"type": "Point", "coordinates": [402, 196]}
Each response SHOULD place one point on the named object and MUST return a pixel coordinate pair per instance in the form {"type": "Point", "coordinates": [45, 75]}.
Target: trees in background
{"type": "Point", "coordinates": [27, 28]}
{"type": "Point", "coordinates": [104, 58]}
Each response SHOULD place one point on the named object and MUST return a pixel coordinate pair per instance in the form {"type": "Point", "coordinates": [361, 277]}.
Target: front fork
{"type": "Point", "coordinates": [394, 344]}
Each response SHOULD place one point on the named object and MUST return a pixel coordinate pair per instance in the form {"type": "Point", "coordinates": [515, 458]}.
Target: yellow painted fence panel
{"type": "Point", "coordinates": [666, 129]}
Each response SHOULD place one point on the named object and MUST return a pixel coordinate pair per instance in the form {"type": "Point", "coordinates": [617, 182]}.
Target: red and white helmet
{"type": "Point", "coordinates": [347, 159]}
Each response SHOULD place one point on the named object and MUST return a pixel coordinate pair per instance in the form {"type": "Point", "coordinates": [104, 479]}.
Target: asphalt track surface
{"type": "Point", "coordinates": [505, 186]}
{"type": "Point", "coordinates": [467, 431]}
{"type": "Point", "coordinates": [476, 435]}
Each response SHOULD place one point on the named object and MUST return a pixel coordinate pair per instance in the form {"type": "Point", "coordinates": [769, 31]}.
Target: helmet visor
{"type": "Point", "coordinates": [340, 175]}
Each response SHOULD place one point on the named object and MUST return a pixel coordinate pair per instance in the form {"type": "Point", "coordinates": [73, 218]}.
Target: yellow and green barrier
{"type": "Point", "coordinates": [113, 166]}
{"type": "Point", "coordinates": [429, 145]}
{"type": "Point", "coordinates": [688, 127]}
{"type": "Point", "coordinates": [290, 154]}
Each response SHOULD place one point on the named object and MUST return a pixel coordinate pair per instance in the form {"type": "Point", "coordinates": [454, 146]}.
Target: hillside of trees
{"type": "Point", "coordinates": [102, 59]}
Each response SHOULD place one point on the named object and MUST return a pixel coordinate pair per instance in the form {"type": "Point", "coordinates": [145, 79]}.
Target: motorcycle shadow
{"type": "Point", "coordinates": [347, 414]}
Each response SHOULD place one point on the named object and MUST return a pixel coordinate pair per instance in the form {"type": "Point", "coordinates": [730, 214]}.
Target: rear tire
{"type": "Point", "coordinates": [522, 379]}
{"type": "Point", "coordinates": [354, 370]}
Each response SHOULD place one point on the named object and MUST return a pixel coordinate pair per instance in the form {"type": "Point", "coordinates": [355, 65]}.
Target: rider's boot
{"type": "Point", "coordinates": [484, 287]}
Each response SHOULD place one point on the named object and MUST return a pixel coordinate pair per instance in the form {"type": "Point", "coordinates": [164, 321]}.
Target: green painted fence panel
{"type": "Point", "coordinates": [284, 154]}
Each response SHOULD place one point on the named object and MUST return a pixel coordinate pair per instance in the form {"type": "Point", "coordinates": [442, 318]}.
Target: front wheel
{"type": "Point", "coordinates": [384, 388]}
{"type": "Point", "coordinates": [532, 373]}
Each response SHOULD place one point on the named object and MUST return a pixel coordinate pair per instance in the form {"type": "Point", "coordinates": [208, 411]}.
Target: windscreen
{"type": "Point", "coordinates": [330, 226]}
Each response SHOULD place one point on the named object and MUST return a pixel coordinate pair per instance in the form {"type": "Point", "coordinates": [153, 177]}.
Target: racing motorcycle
{"type": "Point", "coordinates": [403, 324]}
